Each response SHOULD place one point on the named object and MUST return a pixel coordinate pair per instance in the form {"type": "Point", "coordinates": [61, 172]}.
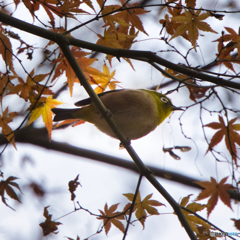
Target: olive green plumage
{"type": "Point", "coordinates": [136, 112]}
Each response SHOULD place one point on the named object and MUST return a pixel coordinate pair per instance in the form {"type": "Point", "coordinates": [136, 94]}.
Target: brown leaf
{"type": "Point", "coordinates": [5, 187]}
{"type": "Point", "coordinates": [196, 92]}
{"type": "Point", "coordinates": [73, 186]}
{"type": "Point", "coordinates": [190, 3]}
{"type": "Point", "coordinates": [215, 191]}
{"type": "Point", "coordinates": [130, 16]}
{"type": "Point", "coordinates": [236, 223]}
{"type": "Point", "coordinates": [109, 217]}
{"type": "Point", "coordinates": [5, 119]}
{"type": "Point", "coordinates": [48, 226]}
{"type": "Point", "coordinates": [64, 66]}
{"type": "Point", "coordinates": [193, 220]}
{"type": "Point", "coordinates": [192, 22]}
{"type": "Point", "coordinates": [224, 56]}
{"type": "Point", "coordinates": [229, 132]}
{"type": "Point", "coordinates": [5, 49]}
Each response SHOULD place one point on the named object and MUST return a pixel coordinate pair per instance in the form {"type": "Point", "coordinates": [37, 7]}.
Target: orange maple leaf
{"type": "Point", "coordinates": [68, 7]}
{"type": "Point", "coordinates": [122, 38]}
{"type": "Point", "coordinates": [53, 7]}
{"type": "Point", "coordinates": [169, 23]}
{"type": "Point", "coordinates": [225, 58]}
{"type": "Point", "coordinates": [191, 22]}
{"type": "Point", "coordinates": [66, 123]}
{"type": "Point", "coordinates": [130, 16]}
{"type": "Point", "coordinates": [190, 3]}
{"type": "Point", "coordinates": [111, 38]}
{"type": "Point", "coordinates": [6, 86]}
{"type": "Point", "coordinates": [89, 4]}
{"type": "Point", "coordinates": [224, 51]}
{"type": "Point", "coordinates": [31, 6]}
{"type": "Point", "coordinates": [175, 11]}
{"type": "Point", "coordinates": [229, 132]}
{"type": "Point", "coordinates": [233, 37]}
{"type": "Point", "coordinates": [31, 87]}
{"type": "Point", "coordinates": [5, 119]}
{"type": "Point", "coordinates": [109, 217]}
{"type": "Point", "coordinates": [142, 207]}
{"type": "Point", "coordinates": [50, 8]}
{"type": "Point", "coordinates": [110, 19]}
{"type": "Point", "coordinates": [125, 18]}
{"type": "Point", "coordinates": [64, 66]}
{"type": "Point", "coordinates": [45, 111]}
{"type": "Point", "coordinates": [215, 190]}
{"type": "Point", "coordinates": [124, 34]}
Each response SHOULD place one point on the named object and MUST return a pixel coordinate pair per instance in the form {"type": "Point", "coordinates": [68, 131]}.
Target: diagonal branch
{"type": "Point", "coordinates": [125, 142]}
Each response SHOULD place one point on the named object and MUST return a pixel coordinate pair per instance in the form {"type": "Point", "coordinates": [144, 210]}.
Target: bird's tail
{"type": "Point", "coordinates": [64, 114]}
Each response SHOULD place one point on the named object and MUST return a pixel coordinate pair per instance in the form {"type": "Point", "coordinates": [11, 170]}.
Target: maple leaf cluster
{"type": "Point", "coordinates": [121, 28]}
{"type": "Point", "coordinates": [109, 216]}
{"type": "Point", "coordinates": [141, 207]}
{"type": "Point", "coordinates": [198, 225]}
{"type": "Point", "coordinates": [186, 22]}
{"type": "Point", "coordinates": [119, 32]}
{"type": "Point", "coordinates": [121, 25]}
{"type": "Point", "coordinates": [147, 207]}
{"type": "Point", "coordinates": [94, 76]}
{"type": "Point", "coordinates": [214, 191]}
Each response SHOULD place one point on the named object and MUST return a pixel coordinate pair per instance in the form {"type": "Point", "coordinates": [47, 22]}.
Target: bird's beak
{"type": "Point", "coordinates": [177, 108]}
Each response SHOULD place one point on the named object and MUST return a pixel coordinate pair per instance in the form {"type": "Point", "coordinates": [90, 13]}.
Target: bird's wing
{"type": "Point", "coordinates": [88, 101]}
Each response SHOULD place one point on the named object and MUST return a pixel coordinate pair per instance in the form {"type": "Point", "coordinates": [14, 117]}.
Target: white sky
{"type": "Point", "coordinates": [103, 183]}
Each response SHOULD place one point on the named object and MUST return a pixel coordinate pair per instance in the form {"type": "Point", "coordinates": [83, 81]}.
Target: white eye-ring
{"type": "Point", "coordinates": [165, 100]}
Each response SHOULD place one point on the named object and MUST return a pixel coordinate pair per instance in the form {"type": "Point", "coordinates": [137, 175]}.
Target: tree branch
{"type": "Point", "coordinates": [145, 56]}
{"type": "Point", "coordinates": [39, 137]}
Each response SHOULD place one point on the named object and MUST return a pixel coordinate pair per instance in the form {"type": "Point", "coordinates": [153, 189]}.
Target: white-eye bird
{"type": "Point", "coordinates": [136, 112]}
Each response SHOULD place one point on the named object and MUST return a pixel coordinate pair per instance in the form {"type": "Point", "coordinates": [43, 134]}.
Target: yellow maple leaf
{"type": "Point", "coordinates": [193, 220]}
{"type": "Point", "coordinates": [104, 80]}
{"type": "Point", "coordinates": [142, 207]}
{"type": "Point", "coordinates": [192, 22]}
{"type": "Point", "coordinates": [45, 111]}
{"type": "Point", "coordinates": [110, 38]}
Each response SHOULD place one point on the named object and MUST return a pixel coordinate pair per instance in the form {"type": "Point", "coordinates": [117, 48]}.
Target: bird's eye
{"type": "Point", "coordinates": [165, 100]}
